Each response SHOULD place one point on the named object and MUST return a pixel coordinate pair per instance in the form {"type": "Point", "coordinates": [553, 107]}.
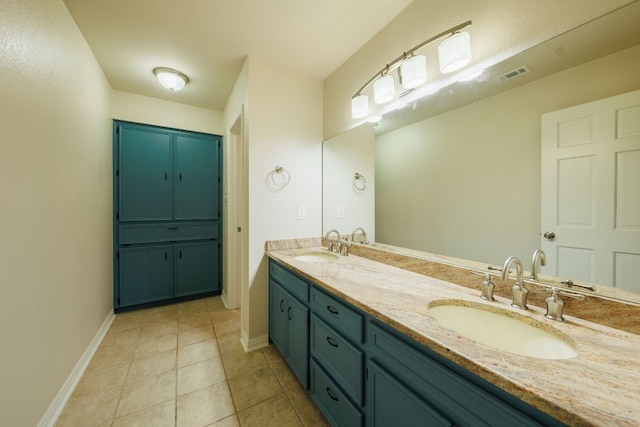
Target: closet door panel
{"type": "Point", "coordinates": [196, 177]}
{"type": "Point", "coordinates": [145, 174]}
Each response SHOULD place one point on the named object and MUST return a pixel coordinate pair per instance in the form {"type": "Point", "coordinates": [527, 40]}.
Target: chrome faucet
{"type": "Point", "coordinates": [333, 244]}
{"type": "Point", "coordinates": [364, 235]}
{"type": "Point", "coordinates": [555, 305]}
{"type": "Point", "coordinates": [539, 259]}
{"type": "Point", "coordinates": [518, 290]}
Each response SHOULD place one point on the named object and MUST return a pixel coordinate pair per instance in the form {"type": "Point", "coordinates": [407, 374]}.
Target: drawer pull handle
{"type": "Point", "coordinates": [332, 310]}
{"type": "Point", "coordinates": [172, 228]}
{"type": "Point", "coordinates": [332, 343]}
{"type": "Point", "coordinates": [331, 395]}
{"type": "Point", "coordinates": [289, 313]}
{"type": "Point", "coordinates": [282, 306]}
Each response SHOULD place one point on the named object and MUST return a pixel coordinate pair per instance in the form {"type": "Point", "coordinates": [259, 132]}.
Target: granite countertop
{"type": "Point", "coordinates": [601, 386]}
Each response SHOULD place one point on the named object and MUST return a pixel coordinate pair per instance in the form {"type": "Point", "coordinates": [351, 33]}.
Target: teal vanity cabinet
{"type": "Point", "coordinates": [365, 373]}
{"type": "Point", "coordinates": [289, 318]}
{"type": "Point", "coordinates": [167, 222]}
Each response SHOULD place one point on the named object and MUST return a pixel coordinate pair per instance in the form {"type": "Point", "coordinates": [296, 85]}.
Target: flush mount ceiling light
{"type": "Point", "coordinates": [171, 79]}
{"type": "Point", "coordinates": [453, 54]}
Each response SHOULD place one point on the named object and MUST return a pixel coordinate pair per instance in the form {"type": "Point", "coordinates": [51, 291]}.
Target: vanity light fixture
{"type": "Point", "coordinates": [170, 79]}
{"type": "Point", "coordinates": [453, 54]}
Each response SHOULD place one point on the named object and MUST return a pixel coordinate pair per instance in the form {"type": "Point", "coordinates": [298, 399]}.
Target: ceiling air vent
{"type": "Point", "coordinates": [513, 73]}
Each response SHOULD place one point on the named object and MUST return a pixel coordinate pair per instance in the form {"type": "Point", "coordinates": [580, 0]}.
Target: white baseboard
{"type": "Point", "coordinates": [51, 416]}
{"type": "Point", "coordinates": [254, 343]}
{"type": "Point", "coordinates": [223, 297]}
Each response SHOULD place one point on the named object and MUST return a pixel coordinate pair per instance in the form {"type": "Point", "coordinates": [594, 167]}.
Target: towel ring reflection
{"type": "Point", "coordinates": [284, 179]}
{"type": "Point", "coordinates": [359, 183]}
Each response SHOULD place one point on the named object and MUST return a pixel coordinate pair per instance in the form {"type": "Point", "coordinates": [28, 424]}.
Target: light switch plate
{"type": "Point", "coordinates": [340, 212]}
{"type": "Point", "coordinates": [302, 212]}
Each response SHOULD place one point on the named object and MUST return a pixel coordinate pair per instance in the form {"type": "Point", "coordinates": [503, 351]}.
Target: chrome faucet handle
{"type": "Point", "coordinates": [343, 248]}
{"type": "Point", "coordinates": [486, 288]}
{"type": "Point", "coordinates": [555, 305]}
{"type": "Point", "coordinates": [518, 290]}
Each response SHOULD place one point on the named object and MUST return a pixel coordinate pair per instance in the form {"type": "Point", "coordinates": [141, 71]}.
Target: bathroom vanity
{"type": "Point", "coordinates": [358, 334]}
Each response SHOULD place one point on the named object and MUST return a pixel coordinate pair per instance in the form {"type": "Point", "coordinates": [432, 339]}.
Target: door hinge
{"type": "Point", "coordinates": [118, 130]}
{"type": "Point", "coordinates": [117, 254]}
{"type": "Point", "coordinates": [117, 215]}
{"type": "Point", "coordinates": [117, 172]}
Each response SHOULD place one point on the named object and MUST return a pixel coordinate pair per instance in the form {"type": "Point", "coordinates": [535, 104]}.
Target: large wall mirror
{"type": "Point", "coordinates": [459, 173]}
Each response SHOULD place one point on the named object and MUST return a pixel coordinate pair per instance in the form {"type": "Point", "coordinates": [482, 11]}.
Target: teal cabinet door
{"type": "Point", "coordinates": [197, 268]}
{"type": "Point", "coordinates": [393, 404]}
{"type": "Point", "coordinates": [277, 316]}
{"type": "Point", "coordinates": [146, 274]}
{"type": "Point", "coordinates": [145, 171]}
{"type": "Point", "coordinates": [298, 339]}
{"type": "Point", "coordinates": [196, 177]}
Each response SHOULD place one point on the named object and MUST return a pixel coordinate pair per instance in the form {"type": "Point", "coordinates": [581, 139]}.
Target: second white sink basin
{"type": "Point", "coordinates": [316, 256]}
{"type": "Point", "coordinates": [503, 329]}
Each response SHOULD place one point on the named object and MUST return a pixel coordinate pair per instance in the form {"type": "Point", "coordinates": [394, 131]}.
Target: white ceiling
{"type": "Point", "coordinates": [208, 40]}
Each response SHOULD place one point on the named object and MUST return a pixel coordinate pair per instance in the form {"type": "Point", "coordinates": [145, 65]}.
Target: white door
{"type": "Point", "coordinates": [591, 191]}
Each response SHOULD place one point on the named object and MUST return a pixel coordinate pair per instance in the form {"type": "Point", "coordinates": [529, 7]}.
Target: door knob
{"type": "Point", "coordinates": [549, 235]}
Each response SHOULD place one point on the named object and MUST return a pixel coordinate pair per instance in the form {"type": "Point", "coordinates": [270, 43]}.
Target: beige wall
{"type": "Point", "coordinates": [528, 23]}
{"type": "Point", "coordinates": [284, 129]}
{"type": "Point", "coordinates": [467, 183]}
{"type": "Point", "coordinates": [143, 109]}
{"type": "Point", "coordinates": [55, 219]}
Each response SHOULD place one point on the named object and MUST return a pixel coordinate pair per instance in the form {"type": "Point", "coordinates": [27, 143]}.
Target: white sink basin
{"type": "Point", "coordinates": [316, 256]}
{"type": "Point", "coordinates": [503, 329]}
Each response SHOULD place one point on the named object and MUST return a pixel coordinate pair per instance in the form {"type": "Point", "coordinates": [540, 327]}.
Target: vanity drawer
{"type": "Point", "coordinates": [338, 315]}
{"type": "Point", "coordinates": [290, 281]}
{"type": "Point", "coordinates": [339, 357]}
{"type": "Point", "coordinates": [167, 232]}
{"type": "Point", "coordinates": [331, 400]}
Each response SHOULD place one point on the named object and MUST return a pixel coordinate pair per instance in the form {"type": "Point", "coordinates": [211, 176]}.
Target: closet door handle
{"type": "Point", "coordinates": [331, 342]}
{"type": "Point", "coordinates": [166, 256]}
{"type": "Point", "coordinates": [180, 254]}
{"type": "Point", "coordinates": [180, 176]}
{"type": "Point", "coordinates": [331, 395]}
{"type": "Point", "coordinates": [165, 176]}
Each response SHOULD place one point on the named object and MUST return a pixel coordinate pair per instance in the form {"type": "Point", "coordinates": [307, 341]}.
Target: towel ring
{"type": "Point", "coordinates": [359, 183]}
{"type": "Point", "coordinates": [286, 177]}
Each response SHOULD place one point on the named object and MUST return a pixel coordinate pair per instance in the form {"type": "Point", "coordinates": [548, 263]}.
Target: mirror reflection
{"type": "Point", "coordinates": [459, 173]}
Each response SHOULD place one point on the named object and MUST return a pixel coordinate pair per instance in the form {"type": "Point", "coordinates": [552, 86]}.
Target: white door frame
{"type": "Point", "coordinates": [234, 255]}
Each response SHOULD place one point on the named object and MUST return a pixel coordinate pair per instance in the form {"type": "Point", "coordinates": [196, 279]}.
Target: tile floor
{"type": "Point", "coordinates": [183, 365]}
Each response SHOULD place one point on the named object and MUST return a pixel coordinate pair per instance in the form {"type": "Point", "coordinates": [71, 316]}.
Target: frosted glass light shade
{"type": "Point", "coordinates": [413, 71]}
{"type": "Point", "coordinates": [455, 52]}
{"type": "Point", "coordinates": [172, 80]}
{"type": "Point", "coordinates": [359, 106]}
{"type": "Point", "coordinates": [384, 89]}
